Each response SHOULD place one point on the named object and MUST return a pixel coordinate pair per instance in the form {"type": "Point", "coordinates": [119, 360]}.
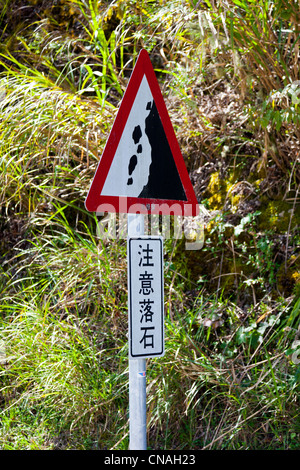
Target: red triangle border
{"type": "Point", "coordinates": [95, 201]}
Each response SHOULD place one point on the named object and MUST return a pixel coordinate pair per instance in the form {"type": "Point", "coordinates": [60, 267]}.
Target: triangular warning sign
{"type": "Point", "coordinates": [142, 168]}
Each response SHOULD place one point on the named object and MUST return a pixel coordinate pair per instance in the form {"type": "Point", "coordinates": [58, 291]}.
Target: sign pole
{"type": "Point", "coordinates": [137, 370]}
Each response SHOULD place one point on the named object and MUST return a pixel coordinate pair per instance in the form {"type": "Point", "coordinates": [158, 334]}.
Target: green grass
{"type": "Point", "coordinates": [230, 376]}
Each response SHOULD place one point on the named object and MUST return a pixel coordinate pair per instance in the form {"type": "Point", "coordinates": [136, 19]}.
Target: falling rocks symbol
{"type": "Point", "coordinates": [164, 181]}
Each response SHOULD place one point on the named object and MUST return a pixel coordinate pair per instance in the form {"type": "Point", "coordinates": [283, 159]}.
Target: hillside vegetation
{"type": "Point", "coordinates": [229, 73]}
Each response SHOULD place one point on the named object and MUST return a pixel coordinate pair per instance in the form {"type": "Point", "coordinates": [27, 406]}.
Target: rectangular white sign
{"type": "Point", "coordinates": [145, 297]}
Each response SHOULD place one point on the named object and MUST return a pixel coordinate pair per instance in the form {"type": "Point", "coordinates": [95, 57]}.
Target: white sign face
{"type": "Point", "coordinates": [145, 297]}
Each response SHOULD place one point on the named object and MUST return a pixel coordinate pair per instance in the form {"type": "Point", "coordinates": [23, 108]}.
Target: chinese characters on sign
{"type": "Point", "coordinates": [145, 297]}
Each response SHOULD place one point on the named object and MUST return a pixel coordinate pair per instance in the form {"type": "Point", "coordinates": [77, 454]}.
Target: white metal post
{"type": "Point", "coordinates": [137, 370]}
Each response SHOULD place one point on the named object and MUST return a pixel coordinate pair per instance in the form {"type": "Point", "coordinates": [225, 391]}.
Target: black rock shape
{"type": "Point", "coordinates": [137, 134]}
{"type": "Point", "coordinates": [164, 181]}
{"type": "Point", "coordinates": [131, 167]}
